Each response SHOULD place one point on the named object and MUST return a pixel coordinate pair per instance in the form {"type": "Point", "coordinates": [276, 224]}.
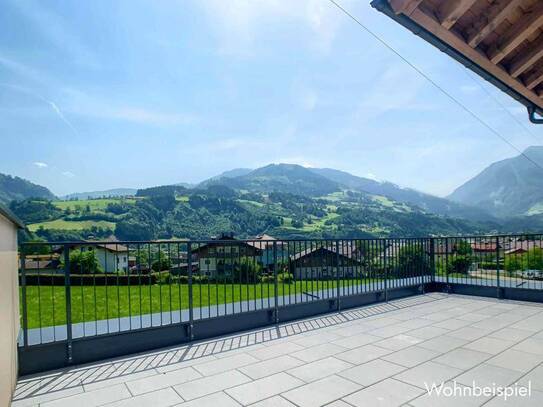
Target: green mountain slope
{"type": "Point", "coordinates": [427, 202]}
{"type": "Point", "coordinates": [202, 213]}
{"type": "Point", "coordinates": [289, 178]}
{"type": "Point", "coordinates": [511, 187]}
{"type": "Point", "coordinates": [15, 189]}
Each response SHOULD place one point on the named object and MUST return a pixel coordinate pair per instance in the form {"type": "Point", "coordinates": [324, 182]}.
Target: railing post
{"type": "Point", "coordinates": [191, 309]}
{"type": "Point", "coordinates": [68, 293]}
{"type": "Point", "coordinates": [23, 293]}
{"type": "Point", "coordinates": [338, 304]}
{"type": "Point", "coordinates": [385, 265]}
{"type": "Point", "coordinates": [498, 288]}
{"type": "Point", "coordinates": [447, 262]}
{"type": "Point", "coordinates": [433, 260]}
{"type": "Point", "coordinates": [275, 284]}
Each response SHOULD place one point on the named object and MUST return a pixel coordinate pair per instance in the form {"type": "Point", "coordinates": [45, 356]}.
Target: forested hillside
{"type": "Point", "coordinates": [15, 188]}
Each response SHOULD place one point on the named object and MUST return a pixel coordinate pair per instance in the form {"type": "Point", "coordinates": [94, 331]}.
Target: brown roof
{"type": "Point", "coordinates": [502, 41]}
{"type": "Point", "coordinates": [265, 236]}
{"type": "Point", "coordinates": [523, 246]}
{"type": "Point", "coordinates": [484, 247]}
{"type": "Point", "coordinates": [113, 247]}
{"type": "Point", "coordinates": [41, 264]}
{"type": "Point", "coordinates": [347, 250]}
{"type": "Point", "coordinates": [225, 241]}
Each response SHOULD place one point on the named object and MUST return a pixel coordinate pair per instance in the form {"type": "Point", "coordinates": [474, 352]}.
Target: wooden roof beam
{"type": "Point", "coordinates": [521, 30]}
{"type": "Point", "coordinates": [451, 11]}
{"type": "Point", "coordinates": [534, 79]}
{"type": "Point", "coordinates": [496, 14]}
{"type": "Point", "coordinates": [525, 61]}
{"type": "Point", "coordinates": [404, 6]}
{"type": "Point", "coordinates": [430, 23]}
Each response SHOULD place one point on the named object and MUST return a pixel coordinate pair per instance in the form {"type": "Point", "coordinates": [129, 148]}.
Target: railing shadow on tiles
{"type": "Point", "coordinates": [86, 301]}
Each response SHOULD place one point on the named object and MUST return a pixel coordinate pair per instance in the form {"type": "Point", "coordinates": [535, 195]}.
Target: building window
{"type": "Point", "coordinates": [208, 262]}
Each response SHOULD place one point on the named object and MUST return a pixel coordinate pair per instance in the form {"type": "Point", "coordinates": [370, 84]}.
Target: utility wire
{"type": "Point", "coordinates": [435, 84]}
{"type": "Point", "coordinates": [490, 95]}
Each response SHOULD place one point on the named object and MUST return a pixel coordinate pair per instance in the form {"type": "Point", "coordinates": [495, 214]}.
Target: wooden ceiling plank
{"type": "Point", "coordinates": [528, 59]}
{"type": "Point", "coordinates": [458, 43]}
{"type": "Point", "coordinates": [496, 14]}
{"type": "Point", "coordinates": [521, 30]}
{"type": "Point", "coordinates": [534, 79]}
{"type": "Point", "coordinates": [451, 11]}
{"type": "Point", "coordinates": [404, 6]}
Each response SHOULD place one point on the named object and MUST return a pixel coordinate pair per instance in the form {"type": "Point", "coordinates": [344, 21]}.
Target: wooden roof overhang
{"type": "Point", "coordinates": [500, 40]}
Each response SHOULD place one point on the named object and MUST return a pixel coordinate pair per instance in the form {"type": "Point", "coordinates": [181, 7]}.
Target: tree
{"type": "Point", "coordinates": [84, 262]}
{"type": "Point", "coordinates": [461, 261]}
{"type": "Point", "coordinates": [412, 260]}
{"type": "Point", "coordinates": [35, 210]}
{"type": "Point", "coordinates": [38, 248]}
{"type": "Point", "coordinates": [161, 262]}
{"type": "Point", "coordinates": [533, 259]}
{"type": "Point", "coordinates": [298, 224]}
{"type": "Point", "coordinates": [463, 248]}
{"type": "Point", "coordinates": [248, 270]}
{"type": "Point", "coordinates": [513, 263]}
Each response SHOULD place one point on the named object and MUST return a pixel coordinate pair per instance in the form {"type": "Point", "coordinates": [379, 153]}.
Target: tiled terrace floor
{"type": "Point", "coordinates": [380, 355]}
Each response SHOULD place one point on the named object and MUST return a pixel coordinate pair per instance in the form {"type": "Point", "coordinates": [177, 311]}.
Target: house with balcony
{"type": "Point", "coordinates": [218, 257]}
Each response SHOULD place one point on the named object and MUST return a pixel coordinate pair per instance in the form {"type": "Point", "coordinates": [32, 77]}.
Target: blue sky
{"type": "Point", "coordinates": [105, 94]}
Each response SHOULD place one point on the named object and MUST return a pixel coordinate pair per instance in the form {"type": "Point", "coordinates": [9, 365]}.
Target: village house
{"type": "Point", "coordinates": [218, 258]}
{"type": "Point", "coordinates": [324, 262]}
{"type": "Point", "coordinates": [269, 258]}
{"type": "Point", "coordinates": [112, 257]}
{"type": "Point", "coordinates": [522, 246]}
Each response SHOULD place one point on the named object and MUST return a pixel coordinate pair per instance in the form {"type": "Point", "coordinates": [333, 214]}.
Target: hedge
{"type": "Point", "coordinates": [89, 279]}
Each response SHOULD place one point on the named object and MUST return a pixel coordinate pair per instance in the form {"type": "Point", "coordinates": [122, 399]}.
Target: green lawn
{"type": "Point", "coordinates": [71, 224]}
{"type": "Point", "coordinates": [91, 303]}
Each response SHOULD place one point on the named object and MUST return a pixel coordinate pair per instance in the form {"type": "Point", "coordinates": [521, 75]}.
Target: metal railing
{"type": "Point", "coordinates": [73, 291]}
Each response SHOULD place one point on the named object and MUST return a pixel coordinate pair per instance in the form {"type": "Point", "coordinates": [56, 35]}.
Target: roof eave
{"type": "Point", "coordinates": [384, 7]}
{"type": "Point", "coordinates": [9, 215]}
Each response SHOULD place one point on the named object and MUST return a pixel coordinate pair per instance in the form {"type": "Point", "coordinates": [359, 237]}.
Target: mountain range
{"type": "Point", "coordinates": [314, 182]}
{"type": "Point", "coordinates": [505, 190]}
{"type": "Point", "coordinates": [511, 187]}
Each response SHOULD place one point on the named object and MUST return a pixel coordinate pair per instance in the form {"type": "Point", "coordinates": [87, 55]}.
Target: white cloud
{"type": "Point", "coordinates": [239, 22]}
{"type": "Point", "coordinates": [146, 116]}
{"type": "Point", "coordinates": [372, 176]}
{"type": "Point", "coordinates": [81, 103]}
{"type": "Point", "coordinates": [383, 93]}
{"type": "Point", "coordinates": [50, 103]}
{"type": "Point", "coordinates": [21, 69]}
{"type": "Point", "coordinates": [68, 174]}
{"type": "Point", "coordinates": [40, 164]}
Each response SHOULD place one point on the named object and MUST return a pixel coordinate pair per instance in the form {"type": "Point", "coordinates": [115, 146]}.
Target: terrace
{"type": "Point", "coordinates": [378, 355]}
{"type": "Point", "coordinates": [270, 322]}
